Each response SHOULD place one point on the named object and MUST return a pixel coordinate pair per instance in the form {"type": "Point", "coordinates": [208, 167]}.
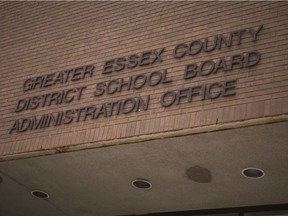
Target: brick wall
{"type": "Point", "coordinates": [39, 38]}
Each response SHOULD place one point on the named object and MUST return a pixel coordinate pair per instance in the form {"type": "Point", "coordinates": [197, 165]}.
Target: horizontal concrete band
{"type": "Point", "coordinates": [142, 138]}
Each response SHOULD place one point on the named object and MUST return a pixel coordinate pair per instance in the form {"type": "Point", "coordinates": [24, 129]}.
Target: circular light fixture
{"type": "Point", "coordinates": [252, 172]}
{"type": "Point", "coordinates": [142, 184]}
{"type": "Point", "coordinates": [40, 194]}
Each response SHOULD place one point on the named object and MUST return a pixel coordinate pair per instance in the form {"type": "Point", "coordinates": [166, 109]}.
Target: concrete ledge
{"type": "Point", "coordinates": [162, 135]}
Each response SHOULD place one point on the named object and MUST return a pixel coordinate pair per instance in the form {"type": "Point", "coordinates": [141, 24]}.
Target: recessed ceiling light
{"type": "Point", "coordinates": [40, 194]}
{"type": "Point", "coordinates": [142, 183]}
{"type": "Point", "coordinates": [252, 172]}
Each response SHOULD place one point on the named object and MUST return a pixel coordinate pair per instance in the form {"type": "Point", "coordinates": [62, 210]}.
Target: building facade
{"type": "Point", "coordinates": [182, 95]}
